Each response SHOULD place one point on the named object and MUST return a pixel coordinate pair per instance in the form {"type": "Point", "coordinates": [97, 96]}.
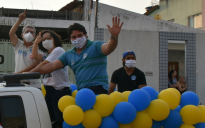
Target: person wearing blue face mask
{"type": "Point", "coordinates": [128, 77]}
{"type": "Point", "coordinates": [23, 49]}
{"type": "Point", "coordinates": [88, 59]}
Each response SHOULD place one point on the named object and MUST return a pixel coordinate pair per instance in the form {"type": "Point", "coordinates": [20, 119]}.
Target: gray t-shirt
{"type": "Point", "coordinates": [23, 58]}
{"type": "Point", "coordinates": [58, 78]}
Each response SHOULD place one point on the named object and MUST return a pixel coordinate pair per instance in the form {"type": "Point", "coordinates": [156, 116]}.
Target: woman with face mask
{"type": "Point", "coordinates": [128, 77]}
{"type": "Point", "coordinates": [56, 83]}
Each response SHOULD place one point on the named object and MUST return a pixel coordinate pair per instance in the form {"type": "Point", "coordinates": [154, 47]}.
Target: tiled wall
{"type": "Point", "coordinates": [190, 54]}
{"type": "Point", "coordinates": [99, 34]}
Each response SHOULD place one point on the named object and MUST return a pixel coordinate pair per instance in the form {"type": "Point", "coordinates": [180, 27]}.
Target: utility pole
{"type": "Point", "coordinates": [96, 14]}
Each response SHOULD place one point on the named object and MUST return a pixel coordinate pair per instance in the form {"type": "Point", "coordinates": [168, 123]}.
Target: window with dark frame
{"type": "Point", "coordinates": [12, 112]}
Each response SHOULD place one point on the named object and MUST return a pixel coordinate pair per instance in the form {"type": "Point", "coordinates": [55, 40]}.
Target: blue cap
{"type": "Point", "coordinates": [128, 53]}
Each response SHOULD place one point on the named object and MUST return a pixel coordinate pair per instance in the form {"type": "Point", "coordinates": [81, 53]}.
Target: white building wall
{"type": "Point", "coordinates": [146, 47]}
{"type": "Point", "coordinates": [135, 21]}
{"type": "Point", "coordinates": [200, 67]}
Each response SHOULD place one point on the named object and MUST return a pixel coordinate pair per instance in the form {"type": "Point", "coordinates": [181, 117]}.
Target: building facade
{"type": "Point", "coordinates": [184, 12]}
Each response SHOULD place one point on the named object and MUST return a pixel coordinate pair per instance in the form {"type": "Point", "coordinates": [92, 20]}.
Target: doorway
{"type": "Point", "coordinates": [176, 57]}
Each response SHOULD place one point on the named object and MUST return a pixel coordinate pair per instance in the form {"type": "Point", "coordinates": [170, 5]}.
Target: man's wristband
{"type": "Point", "coordinates": [115, 38]}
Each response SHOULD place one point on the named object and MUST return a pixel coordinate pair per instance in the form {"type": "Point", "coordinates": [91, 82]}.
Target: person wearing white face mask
{"type": "Point", "coordinates": [56, 83]}
{"type": "Point", "coordinates": [88, 59]}
{"type": "Point", "coordinates": [23, 49]}
{"type": "Point", "coordinates": [127, 78]}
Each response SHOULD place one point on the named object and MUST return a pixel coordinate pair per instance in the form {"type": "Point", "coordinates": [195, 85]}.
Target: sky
{"type": "Point", "coordinates": [137, 6]}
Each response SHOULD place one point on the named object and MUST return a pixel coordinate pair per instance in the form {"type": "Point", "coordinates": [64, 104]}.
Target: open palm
{"type": "Point", "coordinates": [116, 27]}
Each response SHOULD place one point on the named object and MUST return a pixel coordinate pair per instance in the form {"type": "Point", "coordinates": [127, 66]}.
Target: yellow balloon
{"type": "Point", "coordinates": [74, 93]}
{"type": "Point", "coordinates": [117, 97]}
{"type": "Point", "coordinates": [92, 119]}
{"type": "Point", "coordinates": [158, 110]}
{"type": "Point", "coordinates": [190, 114]}
{"type": "Point", "coordinates": [176, 92]}
{"type": "Point", "coordinates": [202, 108]}
{"type": "Point", "coordinates": [126, 94]}
{"type": "Point", "coordinates": [186, 126]}
{"type": "Point", "coordinates": [170, 97]}
{"type": "Point", "coordinates": [104, 105]}
{"type": "Point", "coordinates": [65, 101]}
{"type": "Point", "coordinates": [73, 115]}
{"type": "Point", "coordinates": [125, 125]}
{"type": "Point", "coordinates": [43, 90]}
{"type": "Point", "coordinates": [142, 120]}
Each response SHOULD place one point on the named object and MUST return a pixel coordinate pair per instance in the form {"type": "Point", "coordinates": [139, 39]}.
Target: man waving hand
{"type": "Point", "coordinates": [88, 59]}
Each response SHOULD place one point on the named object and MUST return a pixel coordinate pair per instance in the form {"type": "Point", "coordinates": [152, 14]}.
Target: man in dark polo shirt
{"type": "Point", "coordinates": [128, 77]}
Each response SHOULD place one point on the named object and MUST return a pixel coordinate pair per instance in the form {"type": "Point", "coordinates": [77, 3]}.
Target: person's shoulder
{"type": "Point", "coordinates": [71, 51]}
{"type": "Point", "coordinates": [20, 42]}
{"type": "Point", "coordinates": [59, 49]}
{"type": "Point", "coordinates": [97, 42]}
{"type": "Point", "coordinates": [92, 43]}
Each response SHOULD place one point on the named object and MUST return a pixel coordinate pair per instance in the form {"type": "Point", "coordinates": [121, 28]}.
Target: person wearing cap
{"type": "Point", "coordinates": [128, 77]}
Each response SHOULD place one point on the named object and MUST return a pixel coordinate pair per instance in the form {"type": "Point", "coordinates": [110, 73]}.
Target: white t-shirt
{"type": "Point", "coordinates": [58, 78]}
{"type": "Point", "coordinates": [23, 58]}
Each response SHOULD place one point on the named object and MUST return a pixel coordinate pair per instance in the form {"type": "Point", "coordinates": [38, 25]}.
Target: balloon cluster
{"type": "Point", "coordinates": [141, 108]}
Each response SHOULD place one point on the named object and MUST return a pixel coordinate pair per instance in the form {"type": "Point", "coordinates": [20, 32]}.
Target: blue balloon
{"type": "Point", "coordinates": [152, 92]}
{"type": "Point", "coordinates": [65, 125]}
{"type": "Point", "coordinates": [85, 98]}
{"type": "Point", "coordinates": [178, 109]}
{"type": "Point", "coordinates": [112, 115]}
{"type": "Point", "coordinates": [124, 112]}
{"type": "Point", "coordinates": [156, 124]}
{"type": "Point", "coordinates": [73, 87]}
{"type": "Point", "coordinates": [109, 122]}
{"type": "Point", "coordinates": [140, 99]}
{"type": "Point", "coordinates": [157, 93]}
{"type": "Point", "coordinates": [199, 125]}
{"type": "Point", "coordinates": [174, 120]}
{"type": "Point", "coordinates": [189, 98]}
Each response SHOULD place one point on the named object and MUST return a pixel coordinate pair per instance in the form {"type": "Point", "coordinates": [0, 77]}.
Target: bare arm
{"type": "Point", "coordinates": [35, 54]}
{"type": "Point", "coordinates": [40, 65]}
{"type": "Point", "coordinates": [111, 88]}
{"type": "Point", "coordinates": [110, 46]}
{"type": "Point", "coordinates": [140, 86]}
{"type": "Point", "coordinates": [30, 67]}
{"type": "Point", "coordinates": [49, 67]}
{"type": "Point", "coordinates": [12, 33]}
{"type": "Point", "coordinates": [174, 86]}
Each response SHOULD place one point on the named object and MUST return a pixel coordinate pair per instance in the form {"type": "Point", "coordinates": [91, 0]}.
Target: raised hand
{"type": "Point", "coordinates": [116, 27]}
{"type": "Point", "coordinates": [22, 16]}
{"type": "Point", "coordinates": [39, 38]}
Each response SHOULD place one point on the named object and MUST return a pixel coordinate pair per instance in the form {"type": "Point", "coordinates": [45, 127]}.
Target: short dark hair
{"type": "Point", "coordinates": [56, 37]}
{"type": "Point", "coordinates": [75, 26]}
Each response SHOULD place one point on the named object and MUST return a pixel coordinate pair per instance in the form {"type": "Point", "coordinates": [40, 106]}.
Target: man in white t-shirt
{"type": "Point", "coordinates": [23, 49]}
